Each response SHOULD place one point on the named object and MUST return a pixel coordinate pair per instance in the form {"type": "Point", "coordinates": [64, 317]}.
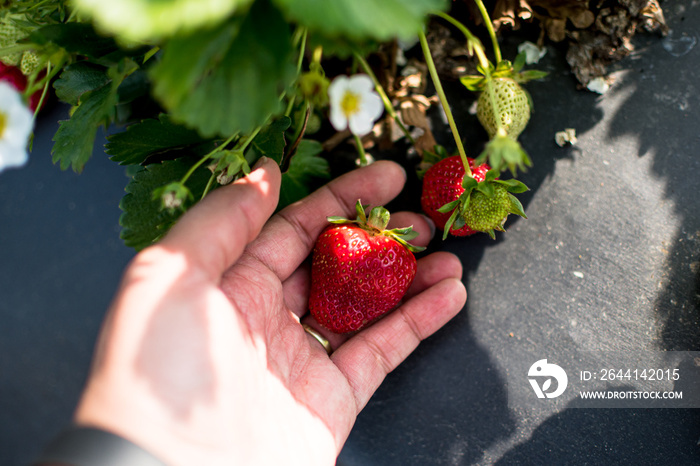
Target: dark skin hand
{"type": "Point", "coordinates": [202, 358]}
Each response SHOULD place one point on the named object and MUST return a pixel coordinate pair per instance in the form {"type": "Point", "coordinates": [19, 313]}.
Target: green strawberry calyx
{"type": "Point", "coordinates": [503, 151]}
{"type": "Point", "coordinates": [376, 224]}
{"type": "Point", "coordinates": [504, 69]}
{"type": "Point", "coordinates": [484, 205]}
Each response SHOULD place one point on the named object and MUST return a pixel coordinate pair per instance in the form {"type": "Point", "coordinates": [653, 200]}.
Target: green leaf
{"type": "Point", "coordinates": [227, 80]}
{"type": "Point", "coordinates": [449, 223]}
{"type": "Point", "coordinates": [142, 20]}
{"type": "Point", "coordinates": [143, 220]}
{"type": "Point", "coordinates": [336, 219]}
{"type": "Point", "coordinates": [186, 59]}
{"type": "Point", "coordinates": [303, 168]}
{"type": "Point", "coordinates": [270, 141]}
{"type": "Point", "coordinates": [492, 174]}
{"type": "Point", "coordinates": [519, 61]}
{"type": "Point", "coordinates": [78, 38]}
{"type": "Point", "coordinates": [449, 207]}
{"type": "Point", "coordinates": [77, 79]}
{"type": "Point", "coordinates": [473, 82]}
{"type": "Point", "coordinates": [362, 19]}
{"type": "Point", "coordinates": [74, 140]}
{"type": "Point", "coordinates": [469, 183]}
{"type": "Point", "coordinates": [486, 188]}
{"type": "Point", "coordinates": [516, 207]}
{"type": "Point", "coordinates": [530, 75]}
{"type": "Point", "coordinates": [149, 137]}
{"type": "Point", "coordinates": [513, 185]}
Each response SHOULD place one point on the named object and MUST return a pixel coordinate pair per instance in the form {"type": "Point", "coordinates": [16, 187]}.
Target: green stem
{"type": "Point", "coordinates": [250, 138]}
{"type": "Point", "coordinates": [204, 159]}
{"type": "Point", "coordinates": [385, 98]}
{"type": "Point", "coordinates": [15, 49]}
{"type": "Point", "coordinates": [443, 100]}
{"type": "Point", "coordinates": [208, 186]}
{"type": "Point", "coordinates": [300, 62]}
{"type": "Point", "coordinates": [360, 150]}
{"type": "Point", "coordinates": [43, 94]}
{"type": "Point", "coordinates": [473, 41]}
{"type": "Point", "coordinates": [45, 80]}
{"type": "Point", "coordinates": [302, 51]}
{"type": "Point", "coordinates": [489, 27]}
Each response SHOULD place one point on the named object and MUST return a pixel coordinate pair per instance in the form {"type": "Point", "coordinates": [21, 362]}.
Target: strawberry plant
{"type": "Point", "coordinates": [360, 270]}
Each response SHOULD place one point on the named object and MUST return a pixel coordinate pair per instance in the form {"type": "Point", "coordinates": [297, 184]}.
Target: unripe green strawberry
{"type": "Point", "coordinates": [360, 271]}
{"type": "Point", "coordinates": [486, 213]}
{"type": "Point", "coordinates": [503, 104]}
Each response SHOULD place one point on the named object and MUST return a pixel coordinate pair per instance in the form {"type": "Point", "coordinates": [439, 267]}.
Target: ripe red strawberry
{"type": "Point", "coordinates": [360, 271]}
{"type": "Point", "coordinates": [442, 184]}
{"type": "Point", "coordinates": [13, 76]}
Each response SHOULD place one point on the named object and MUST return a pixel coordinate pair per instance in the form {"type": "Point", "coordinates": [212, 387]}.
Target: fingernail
{"type": "Point", "coordinates": [261, 161]}
{"type": "Point", "coordinates": [431, 224]}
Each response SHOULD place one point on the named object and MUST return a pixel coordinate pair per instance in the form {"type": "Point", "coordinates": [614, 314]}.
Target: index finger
{"type": "Point", "coordinates": [289, 236]}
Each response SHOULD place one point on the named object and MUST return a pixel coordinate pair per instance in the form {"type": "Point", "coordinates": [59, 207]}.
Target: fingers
{"type": "Point", "coordinates": [289, 236]}
{"type": "Point", "coordinates": [213, 234]}
{"type": "Point", "coordinates": [420, 223]}
{"type": "Point", "coordinates": [370, 355]}
{"type": "Point", "coordinates": [432, 269]}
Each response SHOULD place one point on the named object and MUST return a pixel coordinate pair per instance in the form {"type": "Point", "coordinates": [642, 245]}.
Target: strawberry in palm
{"type": "Point", "coordinates": [360, 271]}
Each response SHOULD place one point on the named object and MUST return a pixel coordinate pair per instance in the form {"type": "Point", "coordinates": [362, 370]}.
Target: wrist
{"type": "Point", "coordinates": [88, 446]}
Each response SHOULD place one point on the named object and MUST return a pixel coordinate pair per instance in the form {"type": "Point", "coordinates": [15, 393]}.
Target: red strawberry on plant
{"type": "Point", "coordinates": [463, 205]}
{"type": "Point", "coordinates": [360, 270]}
{"type": "Point", "coordinates": [13, 76]}
{"type": "Point", "coordinates": [442, 184]}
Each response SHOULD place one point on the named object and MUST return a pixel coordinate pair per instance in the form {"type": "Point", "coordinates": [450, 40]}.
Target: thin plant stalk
{"type": "Point", "coordinates": [360, 150]}
{"type": "Point", "coordinates": [443, 100]}
{"type": "Point", "coordinates": [208, 186]}
{"type": "Point", "coordinates": [489, 27]}
{"type": "Point", "coordinates": [204, 159]}
{"type": "Point", "coordinates": [300, 61]}
{"type": "Point", "coordinates": [385, 99]}
{"type": "Point", "coordinates": [43, 93]}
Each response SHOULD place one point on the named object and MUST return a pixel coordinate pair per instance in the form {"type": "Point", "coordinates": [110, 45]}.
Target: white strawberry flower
{"type": "Point", "coordinates": [354, 104]}
{"type": "Point", "coordinates": [16, 123]}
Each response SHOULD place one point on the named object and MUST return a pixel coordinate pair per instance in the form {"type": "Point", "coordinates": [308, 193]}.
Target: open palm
{"type": "Point", "coordinates": [202, 359]}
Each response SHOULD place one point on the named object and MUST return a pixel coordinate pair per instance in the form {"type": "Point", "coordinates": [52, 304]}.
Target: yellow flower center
{"type": "Point", "coordinates": [350, 103]}
{"type": "Point", "coordinates": [3, 123]}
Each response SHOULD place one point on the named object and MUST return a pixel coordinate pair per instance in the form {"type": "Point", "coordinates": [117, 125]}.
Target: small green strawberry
{"type": "Point", "coordinates": [489, 212]}
{"type": "Point", "coordinates": [30, 62]}
{"type": "Point", "coordinates": [360, 271]}
{"type": "Point", "coordinates": [484, 205]}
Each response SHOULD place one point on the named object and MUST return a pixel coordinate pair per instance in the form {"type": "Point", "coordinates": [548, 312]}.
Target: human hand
{"type": "Point", "coordinates": [202, 359]}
